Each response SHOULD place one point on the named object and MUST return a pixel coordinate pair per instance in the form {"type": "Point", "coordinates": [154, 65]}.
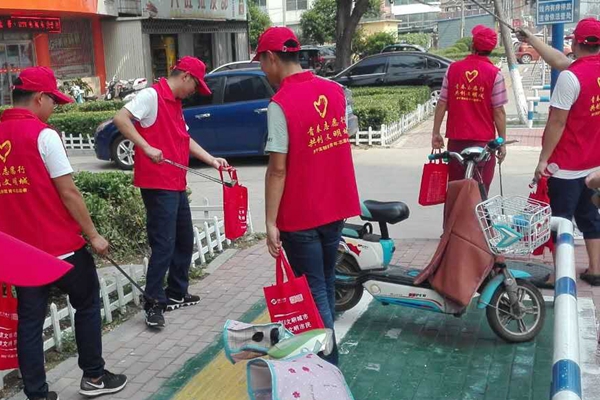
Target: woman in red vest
{"type": "Point", "coordinates": [159, 133]}
{"type": "Point", "coordinates": [474, 95]}
{"type": "Point", "coordinates": [572, 142]}
{"type": "Point", "coordinates": [41, 206]}
{"type": "Point", "coordinates": [310, 182]}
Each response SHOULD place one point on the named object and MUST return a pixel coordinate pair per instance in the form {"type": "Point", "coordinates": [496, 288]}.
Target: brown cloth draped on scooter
{"type": "Point", "coordinates": [462, 259]}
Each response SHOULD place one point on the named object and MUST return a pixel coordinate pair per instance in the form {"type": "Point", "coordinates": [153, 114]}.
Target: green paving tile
{"type": "Point", "coordinates": [406, 354]}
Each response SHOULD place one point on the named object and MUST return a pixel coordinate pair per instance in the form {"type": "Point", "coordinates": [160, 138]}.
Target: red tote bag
{"type": "Point", "coordinates": [541, 194]}
{"type": "Point", "coordinates": [235, 207]}
{"type": "Point", "coordinates": [434, 183]}
{"type": "Point", "coordinates": [290, 302]}
{"type": "Point", "coordinates": [8, 329]}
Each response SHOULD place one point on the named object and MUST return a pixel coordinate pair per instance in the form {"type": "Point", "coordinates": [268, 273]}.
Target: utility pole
{"type": "Point", "coordinates": [462, 19]}
{"type": "Point", "coordinates": [284, 7]}
{"type": "Point", "coordinates": [515, 76]}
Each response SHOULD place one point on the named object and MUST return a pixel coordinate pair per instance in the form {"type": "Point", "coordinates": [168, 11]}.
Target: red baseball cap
{"type": "Point", "coordinates": [484, 38]}
{"type": "Point", "coordinates": [587, 28]}
{"type": "Point", "coordinates": [42, 79]}
{"type": "Point", "coordinates": [274, 39]}
{"type": "Point", "coordinates": [197, 69]}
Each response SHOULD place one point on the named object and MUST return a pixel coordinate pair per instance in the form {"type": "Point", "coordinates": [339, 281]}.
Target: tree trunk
{"type": "Point", "coordinates": [513, 68]}
{"type": "Point", "coordinates": [347, 20]}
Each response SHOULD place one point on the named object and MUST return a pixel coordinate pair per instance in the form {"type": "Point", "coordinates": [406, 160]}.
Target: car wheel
{"type": "Point", "coordinates": [435, 95]}
{"type": "Point", "coordinates": [571, 56]}
{"type": "Point", "coordinates": [526, 59]}
{"type": "Point", "coordinates": [122, 152]}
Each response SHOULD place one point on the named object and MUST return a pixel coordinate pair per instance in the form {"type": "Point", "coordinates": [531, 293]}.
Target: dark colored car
{"type": "Point", "coordinates": [395, 69]}
{"type": "Point", "coordinates": [230, 123]}
{"type": "Point", "coordinates": [403, 47]}
{"type": "Point", "coordinates": [236, 65]}
{"type": "Point", "coordinates": [321, 59]}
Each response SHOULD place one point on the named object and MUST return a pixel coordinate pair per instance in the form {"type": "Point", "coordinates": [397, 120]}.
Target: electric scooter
{"type": "Point", "coordinates": [514, 307]}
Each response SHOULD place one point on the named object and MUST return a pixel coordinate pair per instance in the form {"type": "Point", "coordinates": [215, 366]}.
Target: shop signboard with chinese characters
{"type": "Point", "coordinates": [555, 12]}
{"type": "Point", "coordinates": [196, 9]}
{"type": "Point", "coordinates": [41, 24]}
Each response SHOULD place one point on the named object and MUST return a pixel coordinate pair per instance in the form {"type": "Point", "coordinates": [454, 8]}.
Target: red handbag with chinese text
{"type": "Point", "coordinates": [434, 183]}
{"type": "Point", "coordinates": [541, 194]}
{"type": "Point", "coordinates": [8, 329]}
{"type": "Point", "coordinates": [235, 207]}
{"type": "Point", "coordinates": [291, 302]}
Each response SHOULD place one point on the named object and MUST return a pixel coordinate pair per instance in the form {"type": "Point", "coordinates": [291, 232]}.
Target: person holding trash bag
{"type": "Point", "coordinates": [160, 133]}
{"type": "Point", "coordinates": [310, 181]}
{"type": "Point", "coordinates": [474, 94]}
{"type": "Point", "coordinates": [42, 207]}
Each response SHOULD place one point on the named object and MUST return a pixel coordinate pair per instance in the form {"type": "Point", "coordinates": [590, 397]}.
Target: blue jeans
{"type": "Point", "coordinates": [313, 253]}
{"type": "Point", "coordinates": [171, 238]}
{"type": "Point", "coordinates": [81, 284]}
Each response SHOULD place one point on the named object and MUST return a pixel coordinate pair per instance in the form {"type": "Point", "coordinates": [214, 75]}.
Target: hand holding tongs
{"type": "Point", "coordinates": [210, 178]}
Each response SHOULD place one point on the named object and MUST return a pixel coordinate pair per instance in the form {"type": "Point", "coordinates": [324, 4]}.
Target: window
{"type": "Point", "coordinates": [71, 50]}
{"type": "Point", "coordinates": [294, 5]}
{"type": "Point", "coordinates": [216, 87]}
{"type": "Point", "coordinates": [369, 66]}
{"type": "Point", "coordinates": [248, 65]}
{"type": "Point", "coordinates": [433, 64]}
{"type": "Point", "coordinates": [245, 88]}
{"type": "Point", "coordinates": [406, 63]}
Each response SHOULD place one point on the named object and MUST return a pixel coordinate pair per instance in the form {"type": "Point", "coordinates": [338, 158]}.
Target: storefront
{"type": "Point", "coordinates": [149, 45]}
{"type": "Point", "coordinates": [65, 35]}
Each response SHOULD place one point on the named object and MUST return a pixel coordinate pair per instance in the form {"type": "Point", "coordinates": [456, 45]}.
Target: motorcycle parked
{"type": "Point", "coordinates": [124, 89]}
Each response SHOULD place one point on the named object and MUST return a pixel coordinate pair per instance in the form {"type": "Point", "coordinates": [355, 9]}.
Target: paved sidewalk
{"type": "Point", "coordinates": [149, 358]}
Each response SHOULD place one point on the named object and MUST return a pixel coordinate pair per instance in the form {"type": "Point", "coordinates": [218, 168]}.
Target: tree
{"type": "Point", "coordinates": [348, 15]}
{"type": "Point", "coordinates": [420, 39]}
{"type": "Point", "coordinates": [317, 24]}
{"type": "Point", "coordinates": [259, 21]}
{"type": "Point", "coordinates": [373, 44]}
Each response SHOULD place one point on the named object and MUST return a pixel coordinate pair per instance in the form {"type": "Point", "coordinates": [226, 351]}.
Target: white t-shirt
{"type": "Point", "coordinates": [144, 107]}
{"type": "Point", "coordinates": [55, 159]}
{"type": "Point", "coordinates": [566, 92]}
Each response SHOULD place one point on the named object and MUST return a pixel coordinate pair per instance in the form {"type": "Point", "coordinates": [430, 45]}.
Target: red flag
{"type": "Point", "coordinates": [25, 265]}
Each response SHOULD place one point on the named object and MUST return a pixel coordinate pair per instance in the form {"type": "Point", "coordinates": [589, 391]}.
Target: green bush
{"type": "Point", "coordinates": [461, 47]}
{"type": "Point", "coordinates": [375, 106]}
{"type": "Point", "coordinates": [91, 106]}
{"type": "Point", "coordinates": [84, 123]}
{"type": "Point", "coordinates": [118, 212]}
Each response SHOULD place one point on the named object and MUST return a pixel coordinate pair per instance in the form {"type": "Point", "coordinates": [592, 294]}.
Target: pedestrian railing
{"type": "Point", "coordinates": [566, 373]}
{"type": "Point", "coordinates": [388, 134]}
{"type": "Point", "coordinates": [77, 142]}
{"type": "Point", "coordinates": [116, 292]}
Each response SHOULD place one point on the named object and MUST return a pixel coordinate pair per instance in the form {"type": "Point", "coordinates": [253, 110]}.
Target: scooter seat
{"type": "Point", "coordinates": [390, 212]}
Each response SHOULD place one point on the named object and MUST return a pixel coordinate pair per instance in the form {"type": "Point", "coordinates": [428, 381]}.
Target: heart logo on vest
{"type": "Point", "coordinates": [321, 105]}
{"type": "Point", "coordinates": [471, 75]}
{"type": "Point", "coordinates": [5, 149]}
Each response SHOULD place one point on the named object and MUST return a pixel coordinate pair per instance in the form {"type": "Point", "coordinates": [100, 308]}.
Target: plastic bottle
{"type": "Point", "coordinates": [550, 170]}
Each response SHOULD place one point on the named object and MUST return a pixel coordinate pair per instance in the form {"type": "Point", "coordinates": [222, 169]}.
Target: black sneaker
{"type": "Point", "coordinates": [155, 317]}
{"type": "Point", "coordinates": [49, 396]}
{"type": "Point", "coordinates": [109, 383]}
{"type": "Point", "coordinates": [187, 300]}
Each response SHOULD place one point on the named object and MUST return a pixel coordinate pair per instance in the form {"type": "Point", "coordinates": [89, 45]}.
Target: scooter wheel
{"type": "Point", "coordinates": [514, 326]}
{"type": "Point", "coordinates": [347, 297]}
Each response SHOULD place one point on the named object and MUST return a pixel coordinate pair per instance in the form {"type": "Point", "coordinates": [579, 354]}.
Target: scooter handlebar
{"type": "Point", "coordinates": [438, 156]}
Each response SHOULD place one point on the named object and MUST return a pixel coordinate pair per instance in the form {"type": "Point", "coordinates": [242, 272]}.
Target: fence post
{"type": "Point", "coordinates": [199, 244]}
{"type": "Point", "coordinates": [370, 136]}
{"type": "Point", "coordinates": [218, 235]}
{"type": "Point", "coordinates": [250, 224]}
{"type": "Point", "coordinates": [120, 292]}
{"type": "Point", "coordinates": [134, 292]}
{"type": "Point", "coordinates": [71, 313]}
{"type": "Point", "coordinates": [56, 326]}
{"type": "Point", "coordinates": [208, 239]}
{"type": "Point", "coordinates": [105, 301]}
{"type": "Point", "coordinates": [357, 137]}
{"type": "Point", "coordinates": [206, 203]}
{"type": "Point", "coordinates": [145, 267]}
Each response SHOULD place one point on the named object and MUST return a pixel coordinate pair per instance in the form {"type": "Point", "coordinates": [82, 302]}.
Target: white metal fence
{"type": "Point", "coordinates": [116, 292]}
{"type": "Point", "coordinates": [77, 142]}
{"type": "Point", "coordinates": [388, 134]}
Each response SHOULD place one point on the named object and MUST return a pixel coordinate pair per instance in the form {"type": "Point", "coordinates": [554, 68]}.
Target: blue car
{"type": "Point", "coordinates": [230, 123]}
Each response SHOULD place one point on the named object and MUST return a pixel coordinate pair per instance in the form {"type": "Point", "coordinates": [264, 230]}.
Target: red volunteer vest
{"type": "Point", "coordinates": [168, 134]}
{"type": "Point", "coordinates": [320, 185]}
{"type": "Point", "coordinates": [470, 112]}
{"type": "Point", "coordinates": [579, 146]}
{"type": "Point", "coordinates": [31, 208]}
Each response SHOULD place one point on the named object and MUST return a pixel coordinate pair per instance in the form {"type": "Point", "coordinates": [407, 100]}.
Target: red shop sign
{"type": "Point", "coordinates": [43, 24]}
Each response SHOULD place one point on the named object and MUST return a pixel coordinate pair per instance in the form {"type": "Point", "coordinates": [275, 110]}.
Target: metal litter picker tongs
{"type": "Point", "coordinates": [193, 171]}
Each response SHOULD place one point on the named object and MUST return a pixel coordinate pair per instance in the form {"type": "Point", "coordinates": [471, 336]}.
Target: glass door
{"type": "Point", "coordinates": [13, 58]}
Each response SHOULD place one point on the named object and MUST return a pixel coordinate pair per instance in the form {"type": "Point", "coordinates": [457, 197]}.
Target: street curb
{"type": "Point", "coordinates": [220, 260]}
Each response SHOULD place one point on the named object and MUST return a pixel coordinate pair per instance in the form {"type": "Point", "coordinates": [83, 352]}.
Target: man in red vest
{"type": "Point", "coordinates": [474, 95]}
{"type": "Point", "coordinates": [41, 206]}
{"type": "Point", "coordinates": [572, 141]}
{"type": "Point", "coordinates": [310, 182]}
{"type": "Point", "coordinates": [160, 133]}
